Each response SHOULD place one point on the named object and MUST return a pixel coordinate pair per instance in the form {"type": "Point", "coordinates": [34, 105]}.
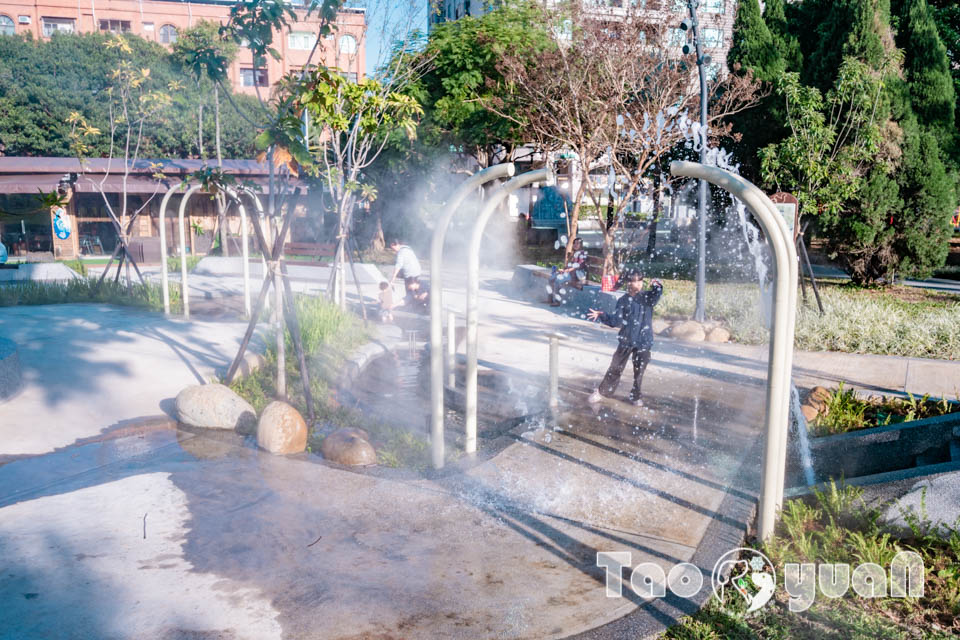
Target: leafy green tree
{"type": "Point", "coordinates": [754, 51]}
{"type": "Point", "coordinates": [464, 77]}
{"type": "Point", "coordinates": [832, 140]}
{"type": "Point", "coordinates": [43, 82]}
{"type": "Point", "coordinates": [753, 47]}
{"type": "Point", "coordinates": [926, 66]}
{"type": "Point", "coordinates": [204, 53]}
{"type": "Point", "coordinates": [784, 39]}
{"type": "Point", "coordinates": [946, 13]}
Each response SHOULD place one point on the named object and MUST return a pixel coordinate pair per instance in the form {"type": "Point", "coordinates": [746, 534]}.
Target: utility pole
{"type": "Point", "coordinates": [690, 24]}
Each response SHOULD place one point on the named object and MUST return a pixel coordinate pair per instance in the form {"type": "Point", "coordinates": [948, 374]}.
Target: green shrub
{"type": "Point", "coordinates": [857, 320]}
{"type": "Point", "coordinates": [144, 296]}
{"type": "Point", "coordinates": [173, 263]}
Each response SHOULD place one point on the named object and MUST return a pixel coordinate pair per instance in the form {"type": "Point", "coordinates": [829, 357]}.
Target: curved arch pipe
{"type": "Point", "coordinates": [164, 278]}
{"type": "Point", "coordinates": [245, 251]}
{"type": "Point", "coordinates": [505, 170]}
{"type": "Point", "coordinates": [780, 361]}
{"type": "Point", "coordinates": [473, 292]}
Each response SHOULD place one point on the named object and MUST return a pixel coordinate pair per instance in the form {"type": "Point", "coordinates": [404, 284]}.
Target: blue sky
{"type": "Point", "coordinates": [388, 21]}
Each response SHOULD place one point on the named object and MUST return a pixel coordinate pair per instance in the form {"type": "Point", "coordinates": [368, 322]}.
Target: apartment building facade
{"type": "Point", "coordinates": [161, 21]}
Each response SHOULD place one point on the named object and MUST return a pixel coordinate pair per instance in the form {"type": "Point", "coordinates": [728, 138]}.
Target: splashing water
{"type": "Point", "coordinates": [800, 424]}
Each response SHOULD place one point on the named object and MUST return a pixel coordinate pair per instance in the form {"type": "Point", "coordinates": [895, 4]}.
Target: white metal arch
{"type": "Point", "coordinates": [244, 233]}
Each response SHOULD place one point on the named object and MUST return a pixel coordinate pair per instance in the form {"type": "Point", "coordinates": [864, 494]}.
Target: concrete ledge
{"type": "Point", "coordinates": [387, 338]}
{"type": "Point", "coordinates": [10, 378]}
{"type": "Point", "coordinates": [39, 272]}
{"type": "Point", "coordinates": [532, 281]}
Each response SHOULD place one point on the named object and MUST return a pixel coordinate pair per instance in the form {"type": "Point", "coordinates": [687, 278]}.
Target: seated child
{"type": "Point", "coordinates": [386, 302]}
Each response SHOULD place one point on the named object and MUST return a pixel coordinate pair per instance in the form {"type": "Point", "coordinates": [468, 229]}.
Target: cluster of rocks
{"type": "Point", "coordinates": [691, 330]}
{"type": "Point", "coordinates": [816, 403]}
{"type": "Point", "coordinates": [280, 429]}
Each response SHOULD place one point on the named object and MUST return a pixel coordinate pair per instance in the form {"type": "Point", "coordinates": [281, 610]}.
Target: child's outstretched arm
{"type": "Point", "coordinates": [652, 296]}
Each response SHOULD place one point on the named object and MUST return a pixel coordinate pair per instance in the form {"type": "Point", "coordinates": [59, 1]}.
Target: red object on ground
{"type": "Point", "coordinates": [608, 282]}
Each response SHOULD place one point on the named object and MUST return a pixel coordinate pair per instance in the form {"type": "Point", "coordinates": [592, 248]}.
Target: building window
{"type": "Point", "coordinates": [301, 40]}
{"type": "Point", "coordinates": [348, 45]}
{"type": "Point", "coordinates": [6, 26]}
{"type": "Point", "coordinates": [713, 37]}
{"type": "Point", "coordinates": [58, 25]}
{"type": "Point", "coordinates": [115, 26]}
{"type": "Point", "coordinates": [714, 6]}
{"type": "Point", "coordinates": [253, 77]}
{"type": "Point", "coordinates": [168, 34]}
{"type": "Point", "coordinates": [349, 76]}
{"type": "Point", "coordinates": [677, 37]}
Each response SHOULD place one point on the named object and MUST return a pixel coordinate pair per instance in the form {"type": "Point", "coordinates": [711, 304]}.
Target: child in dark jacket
{"type": "Point", "coordinates": [634, 316]}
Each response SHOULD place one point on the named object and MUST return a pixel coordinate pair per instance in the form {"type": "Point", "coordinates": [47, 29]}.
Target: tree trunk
{"type": "Point", "coordinates": [652, 237]}
{"type": "Point", "coordinates": [200, 129]}
{"type": "Point", "coordinates": [216, 117]}
{"type": "Point", "coordinates": [577, 204]}
{"type": "Point", "coordinates": [378, 242]}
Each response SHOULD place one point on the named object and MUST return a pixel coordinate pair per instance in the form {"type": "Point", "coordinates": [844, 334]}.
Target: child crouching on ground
{"type": "Point", "coordinates": [634, 316]}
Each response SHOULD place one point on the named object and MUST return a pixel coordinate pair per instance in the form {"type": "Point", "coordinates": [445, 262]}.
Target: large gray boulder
{"type": "Point", "coordinates": [281, 430]}
{"type": "Point", "coordinates": [215, 406]}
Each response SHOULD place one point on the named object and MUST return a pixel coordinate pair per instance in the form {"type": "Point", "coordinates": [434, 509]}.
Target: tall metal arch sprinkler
{"type": "Point", "coordinates": [164, 278]}
{"type": "Point", "coordinates": [780, 361]}
{"type": "Point", "coordinates": [504, 170]}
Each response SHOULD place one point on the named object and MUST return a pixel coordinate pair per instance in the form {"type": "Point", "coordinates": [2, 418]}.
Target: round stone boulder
{"type": "Point", "coordinates": [718, 334]}
{"type": "Point", "coordinates": [215, 406]}
{"type": "Point", "coordinates": [689, 330]}
{"type": "Point", "coordinates": [659, 325]}
{"type": "Point", "coordinates": [809, 412]}
{"type": "Point", "coordinates": [348, 447]}
{"type": "Point", "coordinates": [281, 430]}
{"type": "Point", "coordinates": [818, 397]}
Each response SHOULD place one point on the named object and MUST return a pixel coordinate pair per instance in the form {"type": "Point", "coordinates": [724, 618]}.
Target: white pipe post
{"type": "Point", "coordinates": [164, 278]}
{"type": "Point", "coordinates": [451, 350]}
{"type": "Point", "coordinates": [245, 240]}
{"type": "Point", "coordinates": [553, 396]}
{"type": "Point", "coordinates": [505, 170]}
{"type": "Point", "coordinates": [184, 287]}
{"type": "Point", "coordinates": [544, 175]}
{"type": "Point", "coordinates": [781, 340]}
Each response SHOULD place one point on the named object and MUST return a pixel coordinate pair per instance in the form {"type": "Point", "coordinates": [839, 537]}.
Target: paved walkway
{"type": "Point", "coordinates": [179, 534]}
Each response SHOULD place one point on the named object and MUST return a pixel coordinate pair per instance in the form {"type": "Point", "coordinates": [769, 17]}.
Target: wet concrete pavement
{"type": "Point", "coordinates": [180, 534]}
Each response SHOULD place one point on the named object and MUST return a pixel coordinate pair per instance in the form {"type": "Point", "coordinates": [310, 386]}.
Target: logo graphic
{"type": "Point", "coordinates": [61, 223]}
{"type": "Point", "coordinates": [743, 574]}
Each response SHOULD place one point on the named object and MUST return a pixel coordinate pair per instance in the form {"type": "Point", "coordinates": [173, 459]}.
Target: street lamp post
{"type": "Point", "coordinates": [690, 24]}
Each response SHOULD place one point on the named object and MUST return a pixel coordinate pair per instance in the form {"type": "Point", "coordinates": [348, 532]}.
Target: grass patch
{"type": "Point", "coordinates": [895, 321]}
{"type": "Point", "coordinates": [173, 263]}
{"type": "Point", "coordinates": [329, 336]}
{"type": "Point", "coordinates": [836, 526]}
{"type": "Point", "coordinates": [83, 290]}
{"type": "Point", "coordinates": [846, 411]}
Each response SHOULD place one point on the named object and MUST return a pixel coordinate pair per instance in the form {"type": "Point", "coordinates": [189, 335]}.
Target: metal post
{"type": "Point", "coordinates": [554, 393]}
{"type": "Point", "coordinates": [184, 285]}
{"type": "Point", "coordinates": [782, 334]}
{"type": "Point", "coordinates": [544, 175]}
{"type": "Point", "coordinates": [451, 350]}
{"type": "Point", "coordinates": [699, 312]}
{"type": "Point", "coordinates": [164, 278]}
{"type": "Point", "coordinates": [436, 300]}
